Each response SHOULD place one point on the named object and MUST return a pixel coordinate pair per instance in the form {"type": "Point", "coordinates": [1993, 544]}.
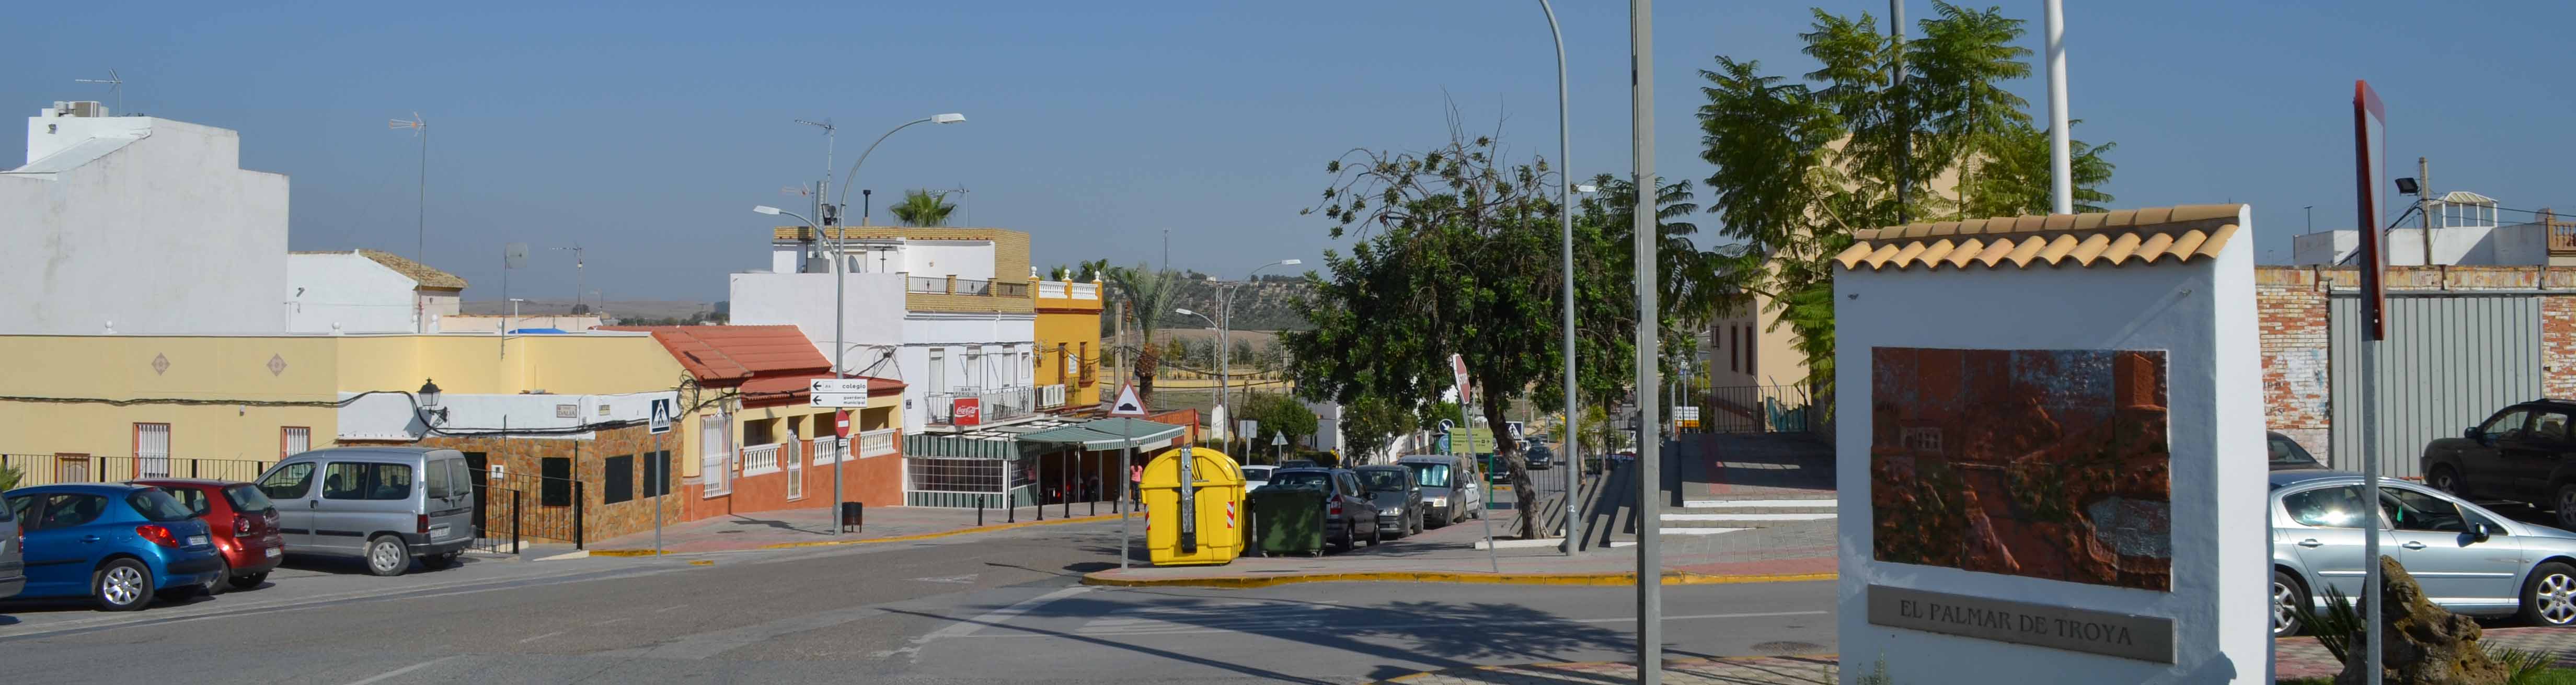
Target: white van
{"type": "Point", "coordinates": [1452, 491]}
{"type": "Point", "coordinates": [385, 505]}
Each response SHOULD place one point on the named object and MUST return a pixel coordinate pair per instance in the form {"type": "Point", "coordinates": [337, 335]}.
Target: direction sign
{"type": "Point", "coordinates": [661, 421]}
{"type": "Point", "coordinates": [837, 392]}
{"type": "Point", "coordinates": [1127, 404]}
{"type": "Point", "coordinates": [1250, 427]}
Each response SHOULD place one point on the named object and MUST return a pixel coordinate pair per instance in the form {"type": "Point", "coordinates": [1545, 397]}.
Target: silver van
{"type": "Point", "coordinates": [1451, 489]}
{"type": "Point", "coordinates": [385, 505]}
{"type": "Point", "coordinates": [13, 560]}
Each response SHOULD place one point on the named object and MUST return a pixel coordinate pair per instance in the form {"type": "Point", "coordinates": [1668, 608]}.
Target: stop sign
{"type": "Point", "coordinates": [841, 423]}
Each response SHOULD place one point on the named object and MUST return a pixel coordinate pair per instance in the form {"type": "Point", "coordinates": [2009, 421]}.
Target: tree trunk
{"type": "Point", "coordinates": [1514, 460]}
{"type": "Point", "coordinates": [1146, 361]}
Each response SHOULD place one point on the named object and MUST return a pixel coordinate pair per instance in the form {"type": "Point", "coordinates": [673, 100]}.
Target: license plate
{"type": "Point", "coordinates": [195, 540]}
{"type": "Point", "coordinates": [441, 532]}
{"type": "Point", "coordinates": [272, 551]}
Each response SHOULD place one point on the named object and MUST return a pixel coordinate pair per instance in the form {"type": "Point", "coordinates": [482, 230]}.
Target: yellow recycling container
{"type": "Point", "coordinates": [1208, 529]}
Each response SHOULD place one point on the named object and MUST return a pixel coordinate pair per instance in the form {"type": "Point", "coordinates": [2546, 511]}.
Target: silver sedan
{"type": "Point", "coordinates": [2468, 559]}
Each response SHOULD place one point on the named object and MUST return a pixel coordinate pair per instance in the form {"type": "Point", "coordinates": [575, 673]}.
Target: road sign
{"type": "Point", "coordinates": [841, 424]}
{"type": "Point", "coordinates": [661, 421]}
{"type": "Point", "coordinates": [2369, 119]}
{"type": "Point", "coordinates": [1513, 428]}
{"type": "Point", "coordinates": [968, 411]}
{"type": "Point", "coordinates": [837, 392]}
{"type": "Point", "coordinates": [1458, 366]}
{"type": "Point", "coordinates": [1250, 427]}
{"type": "Point", "coordinates": [1127, 404]}
{"type": "Point", "coordinates": [1279, 440]}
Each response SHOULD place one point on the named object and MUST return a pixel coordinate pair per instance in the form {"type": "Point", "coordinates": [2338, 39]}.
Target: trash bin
{"type": "Point", "coordinates": [1288, 520]}
{"type": "Point", "coordinates": [853, 515]}
{"type": "Point", "coordinates": [1210, 532]}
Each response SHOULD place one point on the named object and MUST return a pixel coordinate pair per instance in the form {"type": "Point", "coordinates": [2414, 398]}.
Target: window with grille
{"type": "Point", "coordinates": [293, 440]}
{"type": "Point", "coordinates": [922, 474]}
{"type": "Point", "coordinates": [152, 450]}
{"type": "Point", "coordinates": [715, 455]}
{"type": "Point", "coordinates": [557, 489]}
{"type": "Point", "coordinates": [938, 371]}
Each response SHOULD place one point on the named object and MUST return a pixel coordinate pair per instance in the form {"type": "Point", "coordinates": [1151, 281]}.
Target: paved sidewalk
{"type": "Point", "coordinates": [1799, 552]}
{"type": "Point", "coordinates": [812, 526]}
{"type": "Point", "coordinates": [2296, 657]}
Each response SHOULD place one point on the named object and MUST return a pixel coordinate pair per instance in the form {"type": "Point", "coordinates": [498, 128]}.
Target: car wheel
{"type": "Point", "coordinates": [2549, 595]}
{"type": "Point", "coordinates": [121, 585]}
{"type": "Point", "coordinates": [249, 580]}
{"type": "Point", "coordinates": [388, 556]}
{"type": "Point", "coordinates": [439, 561]}
{"type": "Point", "coordinates": [2287, 598]}
{"type": "Point", "coordinates": [2446, 479]}
{"type": "Point", "coordinates": [2566, 500]}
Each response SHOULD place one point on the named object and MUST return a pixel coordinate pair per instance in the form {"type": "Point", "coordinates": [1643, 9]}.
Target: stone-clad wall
{"type": "Point", "coordinates": [519, 457]}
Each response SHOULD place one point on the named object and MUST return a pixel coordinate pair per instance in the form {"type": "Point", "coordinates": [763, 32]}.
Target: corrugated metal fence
{"type": "Point", "coordinates": [2451, 359]}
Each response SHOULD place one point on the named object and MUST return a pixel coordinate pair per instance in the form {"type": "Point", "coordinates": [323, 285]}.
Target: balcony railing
{"type": "Point", "coordinates": [1006, 289]}
{"type": "Point", "coordinates": [1051, 396]}
{"type": "Point", "coordinates": [1086, 291]}
{"type": "Point", "coordinates": [757, 459]}
{"type": "Point", "coordinates": [1054, 289]}
{"type": "Point", "coordinates": [920, 284]}
{"type": "Point", "coordinates": [877, 443]}
{"type": "Point", "coordinates": [996, 405]}
{"type": "Point", "coordinates": [2562, 234]}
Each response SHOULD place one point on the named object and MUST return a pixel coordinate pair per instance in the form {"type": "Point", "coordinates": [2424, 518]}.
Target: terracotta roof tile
{"type": "Point", "coordinates": [2117, 238]}
{"type": "Point", "coordinates": [728, 354]}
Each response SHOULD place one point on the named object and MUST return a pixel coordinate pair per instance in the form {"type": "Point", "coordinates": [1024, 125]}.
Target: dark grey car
{"type": "Point", "coordinates": [1397, 496]}
{"type": "Point", "coordinates": [1349, 519]}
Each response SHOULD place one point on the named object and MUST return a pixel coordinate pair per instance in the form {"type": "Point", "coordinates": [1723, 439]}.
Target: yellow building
{"type": "Point", "coordinates": [1068, 339]}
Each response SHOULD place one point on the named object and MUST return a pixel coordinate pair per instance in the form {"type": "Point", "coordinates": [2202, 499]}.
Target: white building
{"type": "Point", "coordinates": [138, 225]}
{"type": "Point", "coordinates": [367, 291]}
{"type": "Point", "coordinates": [948, 311]}
{"type": "Point", "coordinates": [2466, 231]}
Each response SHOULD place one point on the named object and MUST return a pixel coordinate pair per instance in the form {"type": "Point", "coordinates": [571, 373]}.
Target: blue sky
{"type": "Point", "coordinates": [648, 132]}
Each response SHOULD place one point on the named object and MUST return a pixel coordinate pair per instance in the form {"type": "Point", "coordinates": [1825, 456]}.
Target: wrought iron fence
{"type": "Point", "coordinates": [925, 284]}
{"type": "Point", "coordinates": [50, 469]}
{"type": "Point", "coordinates": [1001, 289]}
{"type": "Point", "coordinates": [512, 508]}
{"type": "Point", "coordinates": [1757, 409]}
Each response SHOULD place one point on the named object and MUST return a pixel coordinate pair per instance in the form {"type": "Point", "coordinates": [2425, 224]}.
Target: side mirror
{"type": "Point", "coordinates": [2478, 532]}
{"type": "Point", "coordinates": [2470, 432]}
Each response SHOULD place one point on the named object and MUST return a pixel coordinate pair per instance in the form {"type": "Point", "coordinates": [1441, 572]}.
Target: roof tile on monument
{"type": "Point", "coordinates": [2146, 236]}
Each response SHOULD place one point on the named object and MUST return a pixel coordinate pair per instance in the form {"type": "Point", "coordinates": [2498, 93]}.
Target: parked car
{"type": "Point", "coordinates": [2523, 453]}
{"type": "Point", "coordinates": [1349, 519]}
{"type": "Point", "coordinates": [1299, 464]}
{"type": "Point", "coordinates": [243, 521]}
{"type": "Point", "coordinates": [384, 505]}
{"type": "Point", "coordinates": [2468, 559]}
{"type": "Point", "coordinates": [1450, 491]}
{"type": "Point", "coordinates": [1540, 458]}
{"type": "Point", "coordinates": [1256, 476]}
{"type": "Point", "coordinates": [13, 553]}
{"type": "Point", "coordinates": [121, 545]}
{"type": "Point", "coordinates": [2287, 454]}
{"type": "Point", "coordinates": [1397, 497]}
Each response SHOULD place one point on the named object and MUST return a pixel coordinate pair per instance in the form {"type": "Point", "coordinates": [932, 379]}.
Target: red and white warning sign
{"type": "Point", "coordinates": [1229, 514]}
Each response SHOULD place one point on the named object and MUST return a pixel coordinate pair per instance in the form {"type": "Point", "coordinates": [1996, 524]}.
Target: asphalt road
{"type": "Point", "coordinates": [999, 607]}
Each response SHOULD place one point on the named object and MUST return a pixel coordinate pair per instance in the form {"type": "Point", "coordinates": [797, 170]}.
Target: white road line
{"type": "Point", "coordinates": [613, 620]}
{"type": "Point", "coordinates": [1306, 626]}
{"type": "Point", "coordinates": [541, 637]}
{"type": "Point", "coordinates": [1697, 531]}
{"type": "Point", "coordinates": [668, 608]}
{"type": "Point", "coordinates": [1746, 517]}
{"type": "Point", "coordinates": [1757, 503]}
{"type": "Point", "coordinates": [399, 671]}
{"type": "Point", "coordinates": [998, 617]}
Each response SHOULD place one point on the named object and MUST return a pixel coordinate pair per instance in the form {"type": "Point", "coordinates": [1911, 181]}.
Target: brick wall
{"type": "Point", "coordinates": [2290, 309]}
{"type": "Point", "coordinates": [2558, 346]}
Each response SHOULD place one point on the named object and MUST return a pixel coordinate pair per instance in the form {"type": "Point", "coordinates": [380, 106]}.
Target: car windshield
{"type": "Point", "coordinates": [1430, 475]}
{"type": "Point", "coordinates": [1256, 473]}
{"type": "Point", "coordinates": [1317, 480]}
{"type": "Point", "coordinates": [247, 498]}
{"type": "Point", "coordinates": [2287, 451]}
{"type": "Point", "coordinates": [156, 505]}
{"type": "Point", "coordinates": [1382, 479]}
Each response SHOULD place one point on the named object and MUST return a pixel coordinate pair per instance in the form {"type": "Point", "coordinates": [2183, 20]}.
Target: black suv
{"type": "Point", "coordinates": [2525, 453]}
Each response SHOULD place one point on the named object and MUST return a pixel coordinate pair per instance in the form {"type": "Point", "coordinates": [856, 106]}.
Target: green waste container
{"type": "Point", "coordinates": [1288, 520]}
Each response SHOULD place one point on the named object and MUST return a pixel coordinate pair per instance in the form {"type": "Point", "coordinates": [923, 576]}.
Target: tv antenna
{"type": "Point", "coordinates": [969, 218]}
{"type": "Point", "coordinates": [578, 283]}
{"type": "Point", "coordinates": [115, 87]}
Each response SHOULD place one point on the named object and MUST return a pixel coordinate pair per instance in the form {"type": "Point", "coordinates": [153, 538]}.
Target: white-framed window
{"type": "Point", "coordinates": [938, 370]}
{"type": "Point", "coordinates": [715, 455]}
{"type": "Point", "coordinates": [294, 440]}
{"type": "Point", "coordinates": [975, 373]}
{"type": "Point", "coordinates": [152, 450]}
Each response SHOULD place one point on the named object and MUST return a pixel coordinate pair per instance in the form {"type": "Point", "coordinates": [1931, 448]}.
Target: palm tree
{"type": "Point", "coordinates": [923, 208]}
{"type": "Point", "coordinates": [1149, 294]}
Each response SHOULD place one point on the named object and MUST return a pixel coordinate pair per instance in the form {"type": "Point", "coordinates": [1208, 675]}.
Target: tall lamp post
{"type": "Point", "coordinates": [1565, 221]}
{"type": "Point", "coordinates": [1224, 334]}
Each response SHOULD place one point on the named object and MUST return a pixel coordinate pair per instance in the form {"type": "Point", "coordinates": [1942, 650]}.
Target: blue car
{"type": "Point", "coordinates": [121, 545]}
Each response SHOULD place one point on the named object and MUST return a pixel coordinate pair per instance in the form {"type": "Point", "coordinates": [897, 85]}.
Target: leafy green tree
{"type": "Point", "coordinates": [923, 208]}
{"type": "Point", "coordinates": [1279, 414]}
{"type": "Point", "coordinates": [1962, 62]}
{"type": "Point", "coordinates": [9, 477]}
{"type": "Point", "coordinates": [1369, 423]}
{"type": "Point", "coordinates": [2016, 181]}
{"type": "Point", "coordinates": [1146, 291]}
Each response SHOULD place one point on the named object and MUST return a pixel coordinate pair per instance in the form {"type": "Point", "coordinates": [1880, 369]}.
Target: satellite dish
{"type": "Point", "coordinates": [514, 255]}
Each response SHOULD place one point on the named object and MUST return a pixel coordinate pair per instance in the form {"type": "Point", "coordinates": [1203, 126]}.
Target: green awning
{"type": "Point", "coordinates": [1108, 434]}
{"type": "Point", "coordinates": [960, 447]}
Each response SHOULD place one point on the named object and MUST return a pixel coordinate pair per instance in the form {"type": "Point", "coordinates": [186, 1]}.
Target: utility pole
{"type": "Point", "coordinates": [2424, 204]}
{"type": "Point", "coordinates": [1650, 557]}
{"type": "Point", "coordinates": [1905, 127]}
{"type": "Point", "coordinates": [2060, 164]}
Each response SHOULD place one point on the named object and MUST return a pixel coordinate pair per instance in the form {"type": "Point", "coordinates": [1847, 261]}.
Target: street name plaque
{"type": "Point", "coordinates": [2129, 636]}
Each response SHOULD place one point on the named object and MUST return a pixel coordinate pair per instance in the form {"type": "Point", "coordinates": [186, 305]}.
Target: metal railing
{"type": "Point", "coordinates": [1007, 289]}
{"type": "Point", "coordinates": [970, 286]}
{"type": "Point", "coordinates": [1001, 404]}
{"type": "Point", "coordinates": [50, 469]}
{"type": "Point", "coordinates": [876, 443]}
{"type": "Point", "coordinates": [759, 458]}
{"type": "Point", "coordinates": [925, 284]}
{"type": "Point", "coordinates": [515, 507]}
{"type": "Point", "coordinates": [1757, 409]}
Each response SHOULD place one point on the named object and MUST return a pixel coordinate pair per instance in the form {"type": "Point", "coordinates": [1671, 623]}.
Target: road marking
{"type": "Point", "coordinates": [1309, 625]}
{"type": "Point", "coordinates": [399, 671]}
{"type": "Point", "coordinates": [1697, 531]}
{"type": "Point", "coordinates": [541, 637]}
{"type": "Point", "coordinates": [1000, 616]}
{"type": "Point", "coordinates": [958, 580]}
{"type": "Point", "coordinates": [1758, 503]}
{"type": "Point", "coordinates": [613, 620]}
{"type": "Point", "coordinates": [1746, 517]}
{"type": "Point", "coordinates": [668, 608]}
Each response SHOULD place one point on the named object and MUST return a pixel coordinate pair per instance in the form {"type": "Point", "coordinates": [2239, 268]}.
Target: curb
{"type": "Point", "coordinates": [1668, 665]}
{"type": "Point", "coordinates": [896, 538]}
{"type": "Point", "coordinates": [1577, 579]}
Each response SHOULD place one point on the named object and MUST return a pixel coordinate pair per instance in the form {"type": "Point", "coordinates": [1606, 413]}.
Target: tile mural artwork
{"type": "Point", "coordinates": [2041, 463]}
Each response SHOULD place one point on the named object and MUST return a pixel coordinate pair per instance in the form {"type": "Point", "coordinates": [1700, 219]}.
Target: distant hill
{"type": "Point", "coordinates": [1265, 306]}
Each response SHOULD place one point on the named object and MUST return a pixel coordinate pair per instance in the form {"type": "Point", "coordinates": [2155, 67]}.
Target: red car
{"type": "Point", "coordinates": [243, 523]}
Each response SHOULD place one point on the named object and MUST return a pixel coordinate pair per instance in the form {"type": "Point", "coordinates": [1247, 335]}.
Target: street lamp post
{"type": "Point", "coordinates": [1225, 338]}
{"type": "Point", "coordinates": [1565, 220]}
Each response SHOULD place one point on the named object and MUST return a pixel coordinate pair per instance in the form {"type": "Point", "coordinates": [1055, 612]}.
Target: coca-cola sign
{"type": "Point", "coordinates": [967, 411]}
